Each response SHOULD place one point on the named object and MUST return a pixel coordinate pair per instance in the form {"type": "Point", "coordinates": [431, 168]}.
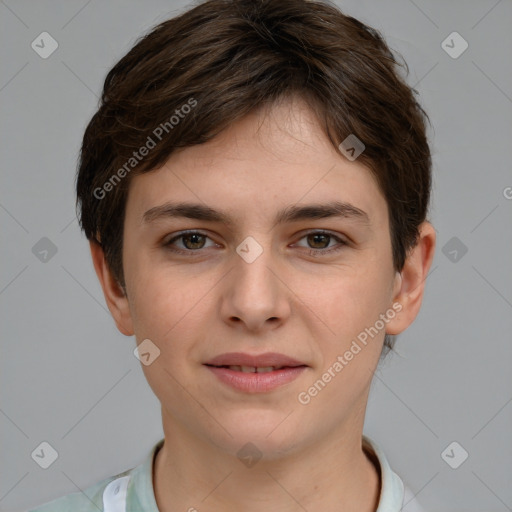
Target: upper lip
{"type": "Point", "coordinates": [257, 361]}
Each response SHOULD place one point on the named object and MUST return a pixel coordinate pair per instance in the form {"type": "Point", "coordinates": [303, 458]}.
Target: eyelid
{"type": "Point", "coordinates": [337, 236]}
{"type": "Point", "coordinates": [176, 236]}
{"type": "Point", "coordinates": [342, 241]}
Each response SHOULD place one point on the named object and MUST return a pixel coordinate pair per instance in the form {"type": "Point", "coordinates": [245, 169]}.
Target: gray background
{"type": "Point", "coordinates": [68, 376]}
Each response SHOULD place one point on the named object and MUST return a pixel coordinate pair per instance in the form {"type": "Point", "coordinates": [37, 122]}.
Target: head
{"type": "Point", "coordinates": [240, 107]}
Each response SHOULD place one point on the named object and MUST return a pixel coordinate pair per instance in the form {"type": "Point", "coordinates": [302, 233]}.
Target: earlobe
{"type": "Point", "coordinates": [115, 296]}
{"type": "Point", "coordinates": [410, 282]}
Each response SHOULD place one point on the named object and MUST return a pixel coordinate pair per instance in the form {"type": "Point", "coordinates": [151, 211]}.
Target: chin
{"type": "Point", "coordinates": [260, 431]}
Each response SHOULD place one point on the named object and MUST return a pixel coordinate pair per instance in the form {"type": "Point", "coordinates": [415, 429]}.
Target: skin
{"type": "Point", "coordinates": [310, 307]}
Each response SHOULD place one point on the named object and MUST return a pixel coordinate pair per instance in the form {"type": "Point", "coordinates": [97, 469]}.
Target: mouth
{"type": "Point", "coordinates": [254, 369]}
{"type": "Point", "coordinates": [240, 361]}
{"type": "Point", "coordinates": [255, 374]}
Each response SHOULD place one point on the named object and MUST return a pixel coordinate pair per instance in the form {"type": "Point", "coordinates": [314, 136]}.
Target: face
{"type": "Point", "coordinates": [266, 276]}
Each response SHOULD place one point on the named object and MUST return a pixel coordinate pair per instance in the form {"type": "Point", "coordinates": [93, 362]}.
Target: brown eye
{"type": "Point", "coordinates": [192, 241]}
{"type": "Point", "coordinates": [318, 240]}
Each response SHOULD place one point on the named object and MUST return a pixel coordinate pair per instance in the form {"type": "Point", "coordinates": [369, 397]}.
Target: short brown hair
{"type": "Point", "coordinates": [231, 57]}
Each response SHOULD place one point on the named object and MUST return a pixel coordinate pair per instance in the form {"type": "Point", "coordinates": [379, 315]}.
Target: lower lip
{"type": "Point", "coordinates": [256, 382]}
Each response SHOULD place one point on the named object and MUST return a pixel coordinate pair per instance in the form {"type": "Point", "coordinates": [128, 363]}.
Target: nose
{"type": "Point", "coordinates": [254, 294]}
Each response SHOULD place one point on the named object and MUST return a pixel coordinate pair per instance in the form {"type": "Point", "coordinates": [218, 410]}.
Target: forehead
{"type": "Point", "coordinates": [263, 163]}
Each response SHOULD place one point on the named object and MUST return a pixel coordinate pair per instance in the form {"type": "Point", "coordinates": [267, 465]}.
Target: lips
{"type": "Point", "coordinates": [261, 373]}
{"type": "Point", "coordinates": [252, 369]}
{"type": "Point", "coordinates": [248, 363]}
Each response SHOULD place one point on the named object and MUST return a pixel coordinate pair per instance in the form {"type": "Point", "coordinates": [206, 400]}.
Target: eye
{"type": "Point", "coordinates": [192, 241]}
{"type": "Point", "coordinates": [319, 242]}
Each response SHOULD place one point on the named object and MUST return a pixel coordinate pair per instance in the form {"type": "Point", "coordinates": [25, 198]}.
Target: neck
{"type": "Point", "coordinates": [191, 473]}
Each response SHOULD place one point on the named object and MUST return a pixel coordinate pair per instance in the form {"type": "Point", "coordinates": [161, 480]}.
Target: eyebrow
{"type": "Point", "coordinates": [289, 214]}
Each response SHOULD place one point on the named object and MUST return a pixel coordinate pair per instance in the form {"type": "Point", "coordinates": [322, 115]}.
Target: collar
{"type": "Point", "coordinates": [391, 496]}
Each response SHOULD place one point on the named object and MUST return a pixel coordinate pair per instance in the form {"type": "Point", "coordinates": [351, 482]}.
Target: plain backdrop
{"type": "Point", "coordinates": [70, 379]}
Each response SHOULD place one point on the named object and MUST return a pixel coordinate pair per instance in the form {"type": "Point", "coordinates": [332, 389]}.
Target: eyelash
{"type": "Point", "coordinates": [322, 252]}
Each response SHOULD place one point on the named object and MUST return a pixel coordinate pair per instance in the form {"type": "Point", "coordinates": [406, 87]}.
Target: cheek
{"type": "Point", "coordinates": [170, 312]}
{"type": "Point", "coordinates": [164, 306]}
{"type": "Point", "coordinates": [349, 301]}
{"type": "Point", "coordinates": [157, 296]}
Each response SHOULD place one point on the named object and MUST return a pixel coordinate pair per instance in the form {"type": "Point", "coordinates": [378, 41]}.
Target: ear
{"type": "Point", "coordinates": [115, 297]}
{"type": "Point", "coordinates": [410, 282]}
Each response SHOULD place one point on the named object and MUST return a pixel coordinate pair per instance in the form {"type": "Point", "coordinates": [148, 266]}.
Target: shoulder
{"type": "Point", "coordinates": [90, 500]}
{"type": "Point", "coordinates": [132, 487]}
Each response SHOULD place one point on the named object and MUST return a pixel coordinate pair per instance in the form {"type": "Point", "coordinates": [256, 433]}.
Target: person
{"type": "Point", "coordinates": [254, 187]}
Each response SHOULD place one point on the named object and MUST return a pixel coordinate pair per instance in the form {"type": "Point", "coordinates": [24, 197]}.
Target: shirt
{"type": "Point", "coordinates": [132, 490]}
